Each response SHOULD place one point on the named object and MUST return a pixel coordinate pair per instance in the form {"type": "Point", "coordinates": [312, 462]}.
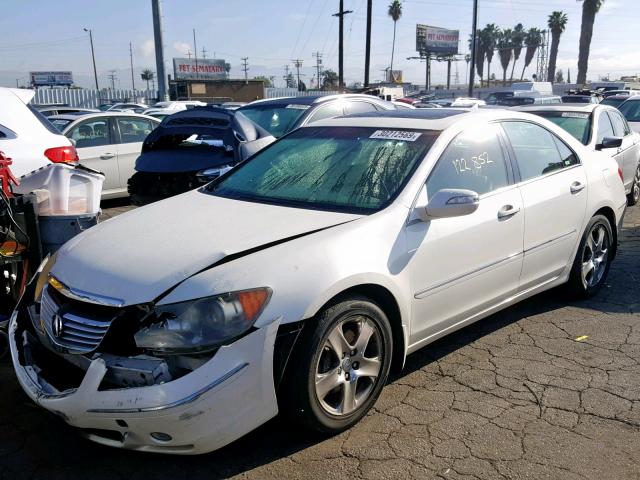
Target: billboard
{"type": "Point", "coordinates": [51, 79]}
{"type": "Point", "coordinates": [437, 40]}
{"type": "Point", "coordinates": [394, 76]}
{"type": "Point", "coordinates": [206, 69]}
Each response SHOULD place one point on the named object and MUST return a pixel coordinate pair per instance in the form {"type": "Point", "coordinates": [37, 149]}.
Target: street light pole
{"type": "Point", "coordinates": [474, 39]}
{"type": "Point", "coordinates": [93, 57]}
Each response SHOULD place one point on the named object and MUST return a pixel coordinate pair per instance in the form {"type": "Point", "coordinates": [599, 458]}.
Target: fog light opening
{"type": "Point", "coordinates": [122, 423]}
{"type": "Point", "coordinates": [161, 437]}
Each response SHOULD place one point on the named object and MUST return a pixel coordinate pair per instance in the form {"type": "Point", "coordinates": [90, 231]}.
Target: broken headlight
{"type": "Point", "coordinates": [204, 323]}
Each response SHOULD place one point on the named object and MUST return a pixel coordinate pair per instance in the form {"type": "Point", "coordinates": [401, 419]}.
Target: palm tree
{"type": "Point", "coordinates": [589, 10]}
{"type": "Point", "coordinates": [505, 51]}
{"type": "Point", "coordinates": [489, 38]}
{"type": "Point", "coordinates": [557, 23]}
{"type": "Point", "coordinates": [532, 41]}
{"type": "Point", "coordinates": [147, 75]}
{"type": "Point", "coordinates": [517, 38]}
{"type": "Point", "coordinates": [395, 12]}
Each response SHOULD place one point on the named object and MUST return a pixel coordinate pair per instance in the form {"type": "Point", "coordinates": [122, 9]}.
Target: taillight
{"type": "Point", "coordinates": [620, 174]}
{"type": "Point", "coordinates": [65, 154]}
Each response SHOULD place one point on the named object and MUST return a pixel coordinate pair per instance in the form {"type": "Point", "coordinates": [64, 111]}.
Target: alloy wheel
{"type": "Point", "coordinates": [349, 365]}
{"type": "Point", "coordinates": [595, 255]}
{"type": "Point", "coordinates": [635, 189]}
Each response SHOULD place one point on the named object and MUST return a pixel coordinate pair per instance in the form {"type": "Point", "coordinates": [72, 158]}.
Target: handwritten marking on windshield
{"type": "Point", "coordinates": [475, 163]}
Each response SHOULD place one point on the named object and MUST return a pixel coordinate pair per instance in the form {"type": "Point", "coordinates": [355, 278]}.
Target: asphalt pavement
{"type": "Point", "coordinates": [547, 389]}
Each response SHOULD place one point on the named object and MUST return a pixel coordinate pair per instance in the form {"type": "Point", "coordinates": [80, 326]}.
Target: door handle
{"type": "Point", "coordinates": [577, 187]}
{"type": "Point", "coordinates": [508, 211]}
{"type": "Point", "coordinates": [107, 156]}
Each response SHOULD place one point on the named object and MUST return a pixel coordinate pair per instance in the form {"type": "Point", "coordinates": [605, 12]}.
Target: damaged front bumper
{"type": "Point", "coordinates": [222, 400]}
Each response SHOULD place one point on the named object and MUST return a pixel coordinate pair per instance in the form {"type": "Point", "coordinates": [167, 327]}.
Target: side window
{"type": "Point", "coordinates": [360, 107]}
{"type": "Point", "coordinates": [334, 109]}
{"type": "Point", "coordinates": [605, 129]}
{"type": "Point", "coordinates": [134, 129]}
{"type": "Point", "coordinates": [472, 161]}
{"type": "Point", "coordinates": [566, 154]}
{"type": "Point", "coordinates": [92, 133]}
{"type": "Point", "coordinates": [619, 124]}
{"type": "Point", "coordinates": [535, 149]}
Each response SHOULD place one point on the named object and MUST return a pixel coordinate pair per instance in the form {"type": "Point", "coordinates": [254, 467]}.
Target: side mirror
{"type": "Point", "coordinates": [451, 202]}
{"type": "Point", "coordinates": [609, 142]}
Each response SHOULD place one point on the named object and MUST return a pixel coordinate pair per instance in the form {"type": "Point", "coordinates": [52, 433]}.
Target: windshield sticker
{"type": "Point", "coordinates": [297, 107]}
{"type": "Point", "coordinates": [575, 115]}
{"type": "Point", "coordinates": [396, 135]}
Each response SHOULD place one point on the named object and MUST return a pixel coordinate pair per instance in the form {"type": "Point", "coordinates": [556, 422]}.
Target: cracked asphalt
{"type": "Point", "coordinates": [547, 389]}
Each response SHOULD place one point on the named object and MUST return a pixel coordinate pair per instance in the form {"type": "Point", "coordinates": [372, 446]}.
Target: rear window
{"type": "Point", "coordinates": [43, 120]}
{"type": "Point", "coordinates": [275, 119]}
{"type": "Point", "coordinates": [614, 102]}
{"type": "Point", "coordinates": [60, 123]}
{"type": "Point", "coordinates": [631, 110]}
{"type": "Point", "coordinates": [578, 124]}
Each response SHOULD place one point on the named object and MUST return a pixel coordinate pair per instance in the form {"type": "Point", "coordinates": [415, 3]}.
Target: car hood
{"type": "Point", "coordinates": [138, 256]}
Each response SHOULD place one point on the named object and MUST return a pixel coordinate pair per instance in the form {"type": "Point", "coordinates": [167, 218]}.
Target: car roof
{"type": "Point", "coordinates": [633, 98]}
{"type": "Point", "coordinates": [311, 99]}
{"type": "Point", "coordinates": [423, 119]}
{"type": "Point", "coordinates": [91, 115]}
{"type": "Point", "coordinates": [565, 107]}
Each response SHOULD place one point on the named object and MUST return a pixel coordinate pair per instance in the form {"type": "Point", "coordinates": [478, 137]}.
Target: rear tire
{"type": "Point", "coordinates": [593, 259]}
{"type": "Point", "coordinates": [634, 195]}
{"type": "Point", "coordinates": [339, 367]}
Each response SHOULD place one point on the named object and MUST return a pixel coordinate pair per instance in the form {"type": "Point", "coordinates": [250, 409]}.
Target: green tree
{"type": "Point", "coordinates": [480, 53]}
{"type": "Point", "coordinates": [489, 38]}
{"type": "Point", "coordinates": [505, 51]}
{"type": "Point", "coordinates": [395, 12]}
{"type": "Point", "coordinates": [532, 41]}
{"type": "Point", "coordinates": [267, 81]}
{"type": "Point", "coordinates": [559, 76]}
{"type": "Point", "coordinates": [557, 23]}
{"type": "Point", "coordinates": [589, 10]}
{"type": "Point", "coordinates": [329, 80]}
{"type": "Point", "coordinates": [147, 75]}
{"type": "Point", "coordinates": [517, 39]}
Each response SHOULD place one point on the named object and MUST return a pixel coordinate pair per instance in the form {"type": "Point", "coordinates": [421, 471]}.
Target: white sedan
{"type": "Point", "coordinates": [109, 142]}
{"type": "Point", "coordinates": [299, 279]}
{"type": "Point", "coordinates": [596, 125]}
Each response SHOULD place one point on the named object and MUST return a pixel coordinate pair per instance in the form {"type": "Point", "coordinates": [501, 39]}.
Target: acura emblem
{"type": "Point", "coordinates": [57, 326]}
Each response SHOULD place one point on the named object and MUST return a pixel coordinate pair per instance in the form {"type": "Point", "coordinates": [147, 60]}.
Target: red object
{"type": "Point", "coordinates": [620, 174]}
{"type": "Point", "coordinates": [66, 154]}
{"type": "Point", "coordinates": [410, 101]}
{"type": "Point", "coordinates": [6, 177]}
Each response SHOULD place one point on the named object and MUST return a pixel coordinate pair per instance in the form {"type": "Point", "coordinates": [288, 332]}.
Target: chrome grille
{"type": "Point", "coordinates": [74, 333]}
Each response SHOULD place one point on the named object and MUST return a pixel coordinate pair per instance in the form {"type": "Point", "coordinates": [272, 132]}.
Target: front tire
{"type": "Point", "coordinates": [634, 195]}
{"type": "Point", "coordinates": [593, 259]}
{"type": "Point", "coordinates": [340, 366]}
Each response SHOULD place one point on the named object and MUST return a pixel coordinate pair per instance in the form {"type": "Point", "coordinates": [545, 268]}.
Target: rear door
{"type": "Point", "coordinates": [131, 132]}
{"type": "Point", "coordinates": [553, 185]}
{"type": "Point", "coordinates": [96, 148]}
{"type": "Point", "coordinates": [630, 148]}
{"type": "Point", "coordinates": [605, 129]}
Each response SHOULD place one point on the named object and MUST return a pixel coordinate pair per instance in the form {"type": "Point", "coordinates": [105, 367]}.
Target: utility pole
{"type": "Point", "coordinates": [133, 82]}
{"type": "Point", "coordinates": [474, 38]}
{"type": "Point", "coordinates": [112, 77]}
{"type": "Point", "coordinates": [297, 63]}
{"type": "Point", "coordinates": [195, 51]}
{"type": "Point", "coordinates": [367, 51]}
{"type": "Point", "coordinates": [449, 73]}
{"type": "Point", "coordinates": [245, 68]}
{"type": "Point", "coordinates": [156, 7]}
{"type": "Point", "coordinates": [204, 54]}
{"type": "Point", "coordinates": [340, 16]}
{"type": "Point", "coordinates": [93, 57]}
{"type": "Point", "coordinates": [318, 57]}
{"type": "Point", "coordinates": [286, 76]}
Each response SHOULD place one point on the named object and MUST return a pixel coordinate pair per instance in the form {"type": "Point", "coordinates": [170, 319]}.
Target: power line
{"type": "Point", "coordinates": [318, 57]}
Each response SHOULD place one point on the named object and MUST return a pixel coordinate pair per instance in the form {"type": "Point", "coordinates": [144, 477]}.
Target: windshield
{"type": "Point", "coordinates": [352, 169]}
{"type": "Point", "coordinates": [578, 124]}
{"type": "Point", "coordinates": [275, 119]}
{"type": "Point", "coordinates": [631, 110]}
{"type": "Point", "coordinates": [60, 123]}
{"type": "Point", "coordinates": [614, 102]}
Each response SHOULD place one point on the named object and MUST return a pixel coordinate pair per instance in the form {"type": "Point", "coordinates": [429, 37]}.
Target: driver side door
{"type": "Point", "coordinates": [462, 266]}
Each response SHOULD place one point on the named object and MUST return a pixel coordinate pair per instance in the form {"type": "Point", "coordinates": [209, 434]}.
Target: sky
{"type": "Point", "coordinates": [48, 35]}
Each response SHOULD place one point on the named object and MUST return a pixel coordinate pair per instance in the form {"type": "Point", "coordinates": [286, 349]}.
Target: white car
{"type": "Point", "coordinates": [109, 142]}
{"type": "Point", "coordinates": [595, 125]}
{"type": "Point", "coordinates": [123, 107]}
{"type": "Point", "coordinates": [631, 111]}
{"type": "Point", "coordinates": [27, 137]}
{"type": "Point", "coordinates": [169, 107]}
{"type": "Point", "coordinates": [300, 278]}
